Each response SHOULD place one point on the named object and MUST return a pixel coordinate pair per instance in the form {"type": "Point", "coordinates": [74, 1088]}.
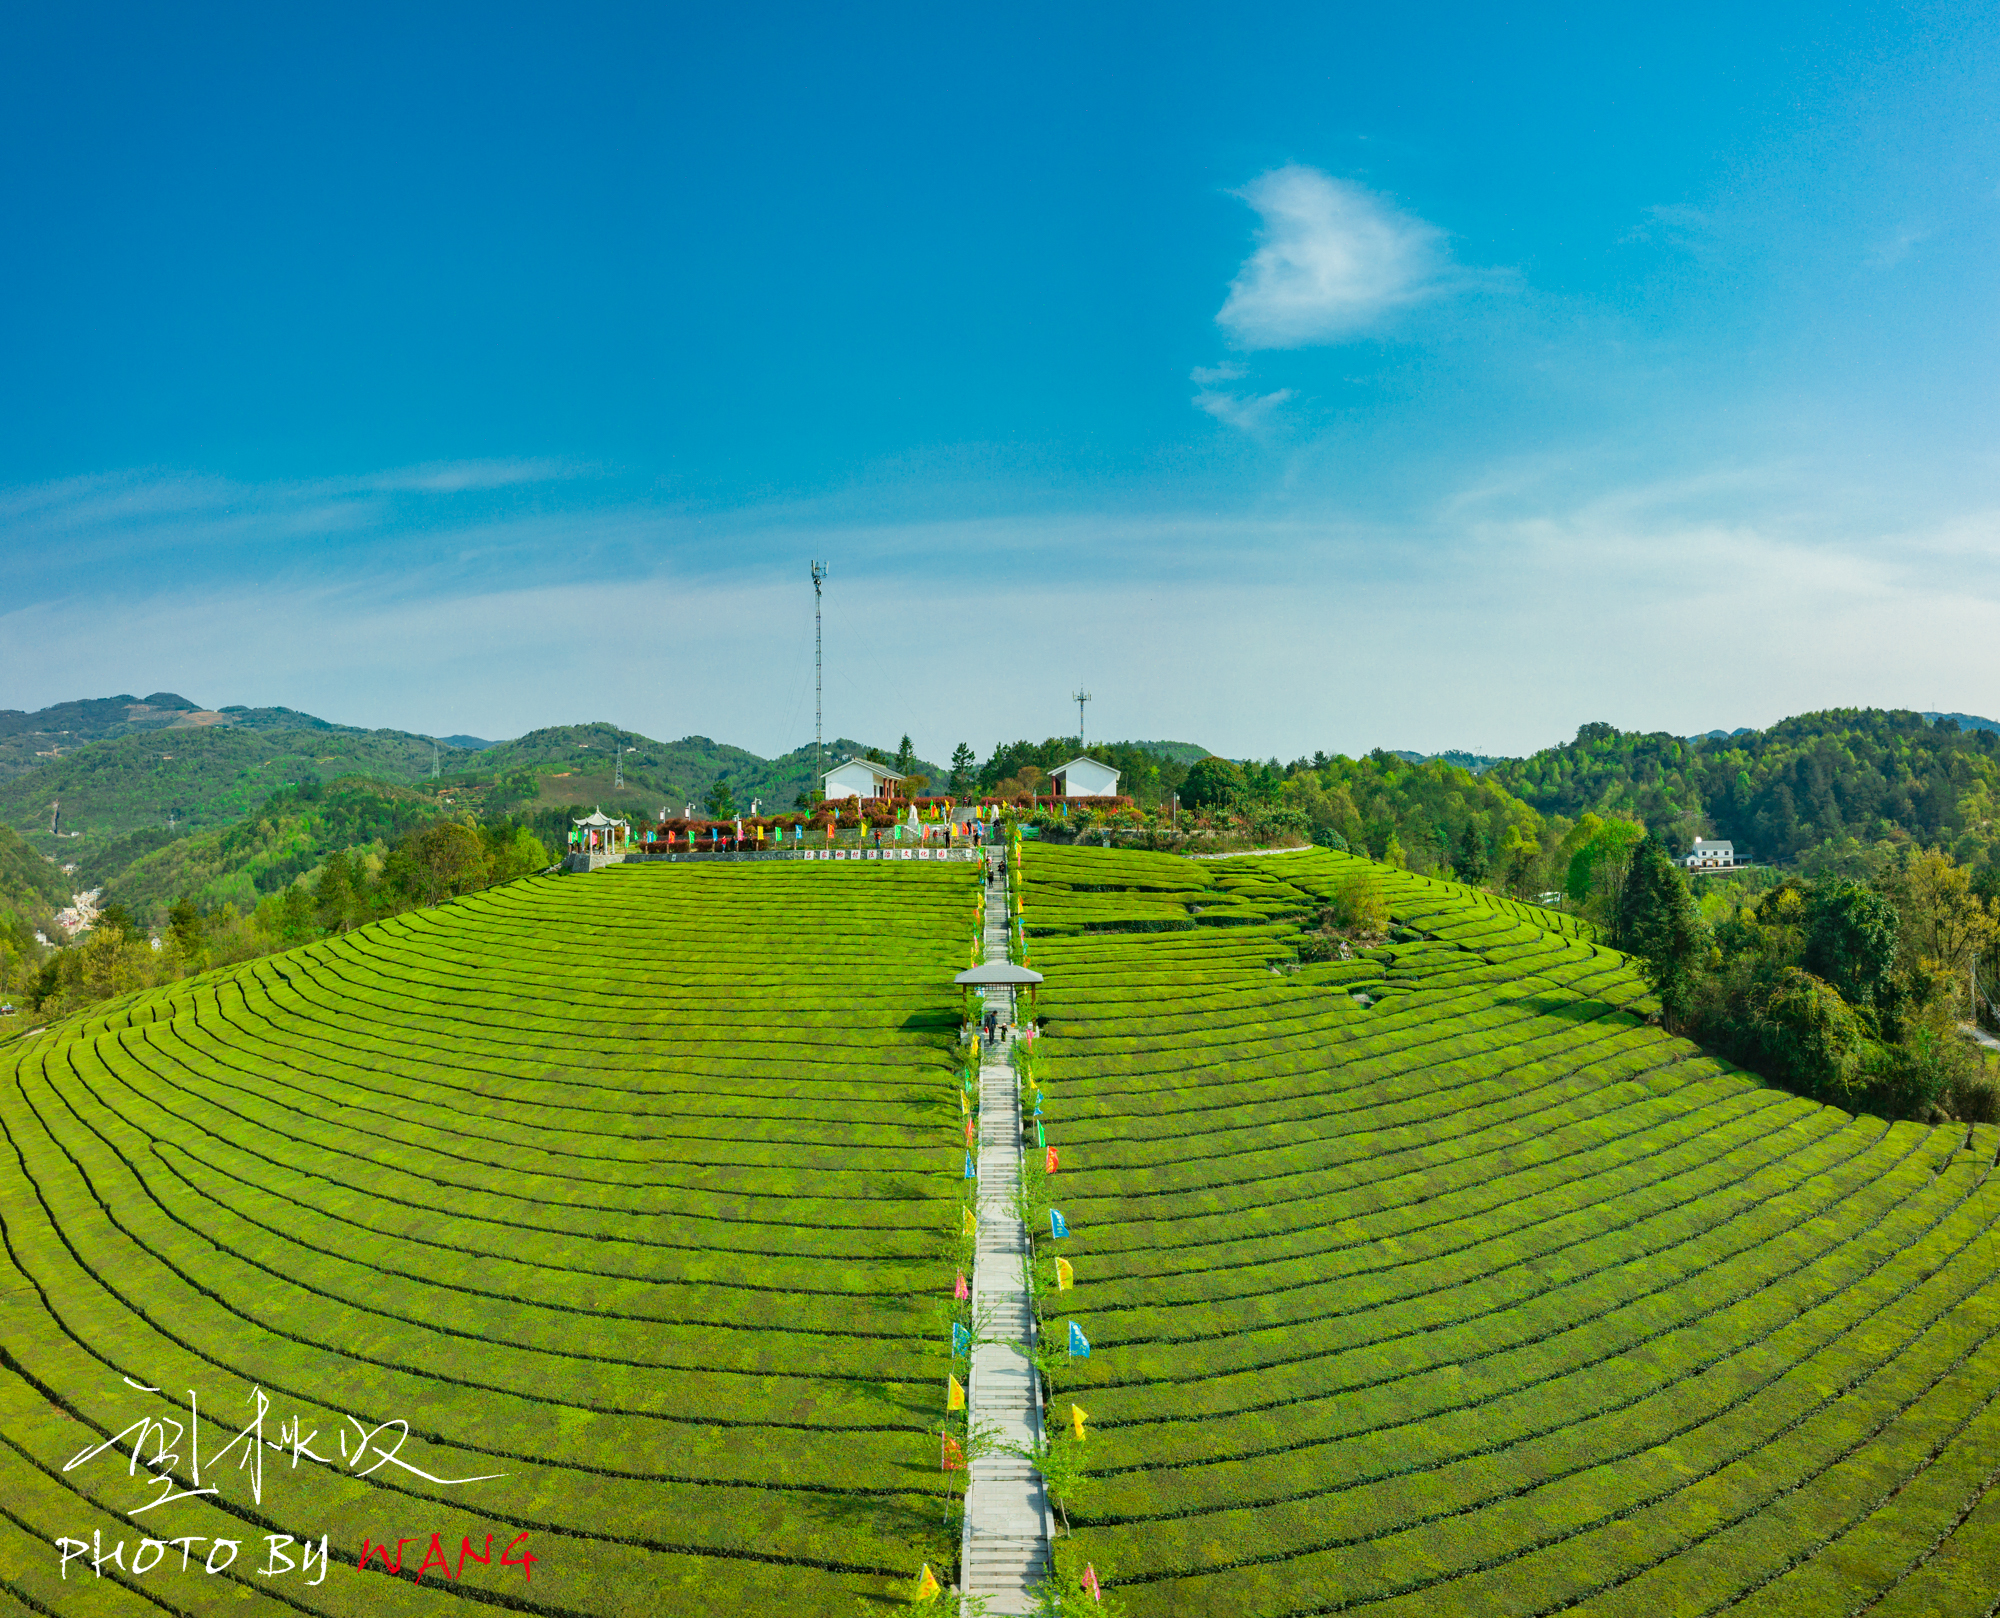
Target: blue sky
{"type": "Point", "coordinates": [1293, 377]}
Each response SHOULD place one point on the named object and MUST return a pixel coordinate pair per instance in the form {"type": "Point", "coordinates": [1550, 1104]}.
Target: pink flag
{"type": "Point", "coordinates": [1090, 1583]}
{"type": "Point", "coordinates": [963, 1291]}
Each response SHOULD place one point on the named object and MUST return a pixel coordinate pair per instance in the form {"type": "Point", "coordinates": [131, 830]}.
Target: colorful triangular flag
{"type": "Point", "coordinates": [928, 1588]}
{"type": "Point", "coordinates": [1065, 1275]}
{"type": "Point", "coordinates": [961, 1341]}
{"type": "Point", "coordinates": [954, 1393]}
{"type": "Point", "coordinates": [1052, 1160]}
{"type": "Point", "coordinates": [1090, 1584]}
{"type": "Point", "coordinates": [1077, 1417]}
{"type": "Point", "coordinates": [952, 1457]}
{"type": "Point", "coordinates": [970, 1227]}
{"type": "Point", "coordinates": [1041, 1134]}
{"type": "Point", "coordinates": [1079, 1345]}
{"type": "Point", "coordinates": [970, 1172]}
{"type": "Point", "coordinates": [1057, 1229]}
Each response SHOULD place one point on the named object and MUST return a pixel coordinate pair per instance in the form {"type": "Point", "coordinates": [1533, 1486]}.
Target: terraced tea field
{"type": "Point", "coordinates": [593, 1220]}
{"type": "Point", "coordinates": [1437, 1281]}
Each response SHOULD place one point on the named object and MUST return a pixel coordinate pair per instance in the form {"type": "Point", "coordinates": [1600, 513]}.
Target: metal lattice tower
{"type": "Point", "coordinates": [819, 736]}
{"type": "Point", "coordinates": [1079, 697]}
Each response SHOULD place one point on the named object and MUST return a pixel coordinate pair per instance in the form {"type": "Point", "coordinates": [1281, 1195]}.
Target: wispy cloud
{"type": "Point", "coordinates": [1332, 259]}
{"type": "Point", "coordinates": [1251, 412]}
{"type": "Point", "coordinates": [1892, 249]}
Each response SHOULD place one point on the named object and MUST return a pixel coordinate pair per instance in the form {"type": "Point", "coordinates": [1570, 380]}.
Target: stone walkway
{"type": "Point", "coordinates": [1006, 1544]}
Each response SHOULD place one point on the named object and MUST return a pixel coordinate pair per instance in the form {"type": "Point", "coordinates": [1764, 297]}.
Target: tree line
{"type": "Point", "coordinates": [1851, 992]}
{"type": "Point", "coordinates": [349, 888]}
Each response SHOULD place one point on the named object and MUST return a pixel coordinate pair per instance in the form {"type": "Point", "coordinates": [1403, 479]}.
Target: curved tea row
{"type": "Point", "coordinates": [623, 1192]}
{"type": "Point", "coordinates": [1439, 1280]}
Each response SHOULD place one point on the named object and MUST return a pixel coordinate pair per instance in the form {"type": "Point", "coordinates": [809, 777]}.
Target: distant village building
{"type": "Point", "coordinates": [1084, 778]}
{"type": "Point", "coordinates": [861, 778]}
{"type": "Point", "coordinates": [1710, 856]}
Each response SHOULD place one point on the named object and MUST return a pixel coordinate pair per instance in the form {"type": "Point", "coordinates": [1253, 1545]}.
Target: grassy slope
{"type": "Point", "coordinates": [207, 776]}
{"type": "Point", "coordinates": [629, 1186]}
{"type": "Point", "coordinates": [30, 887]}
{"type": "Point", "coordinates": [1491, 1297]}
{"type": "Point", "coordinates": [263, 852]}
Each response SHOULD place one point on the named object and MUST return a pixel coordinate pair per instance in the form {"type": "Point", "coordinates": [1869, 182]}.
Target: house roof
{"type": "Point", "coordinates": [869, 764]}
{"type": "Point", "coordinates": [1086, 759]}
{"type": "Point", "coordinates": [999, 972]}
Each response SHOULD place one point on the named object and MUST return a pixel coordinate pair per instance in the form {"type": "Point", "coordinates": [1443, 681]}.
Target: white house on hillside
{"type": "Point", "coordinates": [1084, 778]}
{"type": "Point", "coordinates": [1708, 856]}
{"type": "Point", "coordinates": [860, 778]}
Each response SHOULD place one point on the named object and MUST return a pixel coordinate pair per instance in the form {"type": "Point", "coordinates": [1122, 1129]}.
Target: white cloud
{"type": "Point", "coordinates": [1892, 249]}
{"type": "Point", "coordinates": [1333, 258]}
{"type": "Point", "coordinates": [1655, 606]}
{"type": "Point", "coordinates": [1252, 412]}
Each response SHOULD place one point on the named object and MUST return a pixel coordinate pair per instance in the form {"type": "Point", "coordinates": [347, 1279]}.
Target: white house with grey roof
{"type": "Point", "coordinates": [1084, 778]}
{"type": "Point", "coordinates": [861, 778]}
{"type": "Point", "coordinates": [1711, 855]}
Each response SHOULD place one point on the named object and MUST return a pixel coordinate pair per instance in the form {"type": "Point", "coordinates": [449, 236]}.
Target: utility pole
{"type": "Point", "coordinates": [1079, 697]}
{"type": "Point", "coordinates": [819, 734]}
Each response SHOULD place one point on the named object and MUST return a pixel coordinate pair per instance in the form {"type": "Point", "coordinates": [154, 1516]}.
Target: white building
{"type": "Point", "coordinates": [1083, 778]}
{"type": "Point", "coordinates": [861, 778]}
{"type": "Point", "coordinates": [1709, 856]}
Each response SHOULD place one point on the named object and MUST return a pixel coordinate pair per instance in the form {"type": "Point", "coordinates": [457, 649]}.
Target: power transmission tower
{"type": "Point", "coordinates": [434, 760]}
{"type": "Point", "coordinates": [618, 773]}
{"type": "Point", "coordinates": [1079, 697]}
{"type": "Point", "coordinates": [819, 734]}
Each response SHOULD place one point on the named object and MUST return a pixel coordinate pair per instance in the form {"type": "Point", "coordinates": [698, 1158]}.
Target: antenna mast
{"type": "Point", "coordinates": [819, 735]}
{"type": "Point", "coordinates": [1079, 697]}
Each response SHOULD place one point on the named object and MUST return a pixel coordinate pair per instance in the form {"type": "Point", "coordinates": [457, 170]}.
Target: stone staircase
{"type": "Point", "coordinates": [1006, 1544]}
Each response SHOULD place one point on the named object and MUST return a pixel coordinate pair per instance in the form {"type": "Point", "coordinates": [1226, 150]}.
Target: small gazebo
{"type": "Point", "coordinates": [598, 833]}
{"type": "Point", "coordinates": [1003, 974]}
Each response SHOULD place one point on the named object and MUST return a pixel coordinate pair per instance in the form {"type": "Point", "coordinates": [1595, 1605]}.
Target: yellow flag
{"type": "Point", "coordinates": [1065, 1275]}
{"type": "Point", "coordinates": [954, 1398]}
{"type": "Point", "coordinates": [971, 1226]}
{"type": "Point", "coordinates": [928, 1588]}
{"type": "Point", "coordinates": [1077, 1417]}
{"type": "Point", "coordinates": [964, 1105]}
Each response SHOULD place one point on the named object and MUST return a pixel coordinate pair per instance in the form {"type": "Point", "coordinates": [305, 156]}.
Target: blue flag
{"type": "Point", "coordinates": [961, 1341]}
{"type": "Point", "coordinates": [1056, 1226]}
{"type": "Point", "coordinates": [969, 1171]}
{"type": "Point", "coordinates": [1079, 1345]}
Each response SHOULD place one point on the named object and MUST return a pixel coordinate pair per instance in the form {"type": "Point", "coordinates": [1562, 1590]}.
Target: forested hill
{"type": "Point", "coordinates": [1820, 787]}
{"type": "Point", "coordinates": [203, 776]}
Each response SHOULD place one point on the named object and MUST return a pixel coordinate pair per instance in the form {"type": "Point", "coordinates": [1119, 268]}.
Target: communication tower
{"type": "Point", "coordinates": [1079, 697]}
{"type": "Point", "coordinates": [819, 733]}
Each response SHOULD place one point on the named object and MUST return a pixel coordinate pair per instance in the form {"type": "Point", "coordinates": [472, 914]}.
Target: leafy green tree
{"type": "Point", "coordinates": [720, 801]}
{"type": "Point", "coordinates": [184, 926]}
{"type": "Point", "coordinates": [1212, 783]}
{"type": "Point", "coordinates": [1469, 859]}
{"type": "Point", "coordinates": [1657, 921]}
{"type": "Point", "coordinates": [1598, 866]}
{"type": "Point", "coordinates": [1812, 1034]}
{"type": "Point", "coordinates": [1850, 939]}
{"type": "Point", "coordinates": [334, 896]}
{"type": "Point", "coordinates": [115, 918]}
{"type": "Point", "coordinates": [963, 765]}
